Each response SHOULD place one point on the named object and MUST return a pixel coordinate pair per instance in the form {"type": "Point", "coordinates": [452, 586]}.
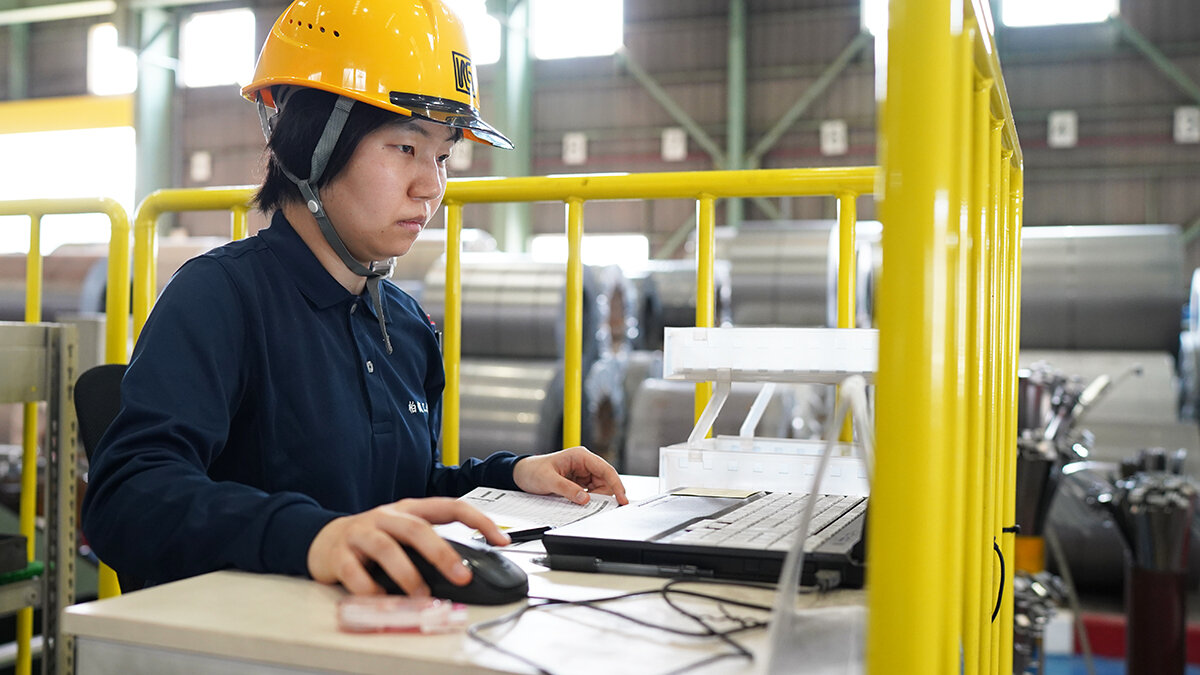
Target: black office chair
{"type": "Point", "coordinates": [97, 401]}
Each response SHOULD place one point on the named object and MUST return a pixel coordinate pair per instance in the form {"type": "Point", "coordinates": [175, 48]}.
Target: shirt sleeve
{"type": "Point", "coordinates": [150, 510]}
{"type": "Point", "coordinates": [455, 481]}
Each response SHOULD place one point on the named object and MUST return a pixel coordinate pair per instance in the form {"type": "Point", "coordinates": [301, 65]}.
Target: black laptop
{"type": "Point", "coordinates": [725, 534]}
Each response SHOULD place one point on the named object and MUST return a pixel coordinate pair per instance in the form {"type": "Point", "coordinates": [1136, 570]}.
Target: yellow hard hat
{"type": "Point", "coordinates": [406, 56]}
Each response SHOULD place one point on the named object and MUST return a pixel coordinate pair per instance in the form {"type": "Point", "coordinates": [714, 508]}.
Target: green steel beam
{"type": "Point", "coordinates": [811, 94]}
{"type": "Point", "coordinates": [735, 121]}
{"type": "Point", "coordinates": [676, 111]}
{"type": "Point", "coordinates": [153, 108]}
{"type": "Point", "coordinates": [1156, 57]}
{"type": "Point", "coordinates": [514, 226]}
{"type": "Point", "coordinates": [18, 62]}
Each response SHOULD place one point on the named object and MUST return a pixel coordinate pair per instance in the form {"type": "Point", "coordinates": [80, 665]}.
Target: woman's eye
{"type": "Point", "coordinates": [406, 149]}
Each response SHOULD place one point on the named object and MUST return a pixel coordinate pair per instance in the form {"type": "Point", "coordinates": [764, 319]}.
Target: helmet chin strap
{"type": "Point", "coordinates": [376, 271]}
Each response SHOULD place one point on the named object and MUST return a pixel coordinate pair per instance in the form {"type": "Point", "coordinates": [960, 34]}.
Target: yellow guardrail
{"type": "Point", "coordinates": [116, 334]}
{"type": "Point", "coordinates": [948, 310]}
{"type": "Point", "coordinates": [236, 200]}
{"type": "Point", "coordinates": [574, 191]}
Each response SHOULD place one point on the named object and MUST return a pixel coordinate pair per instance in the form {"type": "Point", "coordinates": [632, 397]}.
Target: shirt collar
{"type": "Point", "coordinates": [313, 280]}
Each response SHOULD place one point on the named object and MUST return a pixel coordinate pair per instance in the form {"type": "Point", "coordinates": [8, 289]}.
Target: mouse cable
{"type": "Point", "coordinates": [475, 631]}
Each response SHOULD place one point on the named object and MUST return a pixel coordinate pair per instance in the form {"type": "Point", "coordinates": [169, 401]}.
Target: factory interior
{"type": "Point", "coordinates": [560, 321]}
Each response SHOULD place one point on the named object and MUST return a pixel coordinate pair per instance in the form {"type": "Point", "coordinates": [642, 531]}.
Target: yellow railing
{"type": "Point", "coordinates": [236, 200]}
{"type": "Point", "coordinates": [117, 301]}
{"type": "Point", "coordinates": [574, 191]}
{"type": "Point", "coordinates": [948, 310]}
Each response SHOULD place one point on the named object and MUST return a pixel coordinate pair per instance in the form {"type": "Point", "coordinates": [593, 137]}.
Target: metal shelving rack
{"type": "Point", "coordinates": [38, 364]}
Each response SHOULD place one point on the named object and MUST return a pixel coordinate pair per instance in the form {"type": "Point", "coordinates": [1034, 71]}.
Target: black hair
{"type": "Point", "coordinates": [297, 129]}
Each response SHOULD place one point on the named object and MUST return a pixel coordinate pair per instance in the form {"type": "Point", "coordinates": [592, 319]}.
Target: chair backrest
{"type": "Point", "coordinates": [97, 401]}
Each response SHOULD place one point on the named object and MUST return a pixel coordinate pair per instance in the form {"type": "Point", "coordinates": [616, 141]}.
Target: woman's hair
{"type": "Point", "coordinates": [296, 131]}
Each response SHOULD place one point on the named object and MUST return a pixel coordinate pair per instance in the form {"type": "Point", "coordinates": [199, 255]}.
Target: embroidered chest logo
{"type": "Point", "coordinates": [415, 407]}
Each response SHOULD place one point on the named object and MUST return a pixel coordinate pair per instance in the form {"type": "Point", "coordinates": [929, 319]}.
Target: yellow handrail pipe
{"type": "Point", "coordinates": [116, 334]}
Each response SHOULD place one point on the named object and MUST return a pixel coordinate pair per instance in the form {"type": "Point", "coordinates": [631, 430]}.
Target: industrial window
{"type": "Point", "coordinates": [111, 69]}
{"type": "Point", "coordinates": [873, 16]}
{"type": "Point", "coordinates": [217, 48]}
{"type": "Point", "coordinates": [102, 164]}
{"type": "Point", "coordinates": [563, 29]}
{"type": "Point", "coordinates": [1056, 12]}
{"type": "Point", "coordinates": [483, 30]}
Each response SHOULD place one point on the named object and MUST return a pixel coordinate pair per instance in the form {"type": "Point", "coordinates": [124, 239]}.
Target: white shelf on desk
{"type": "Point", "coordinates": [816, 355]}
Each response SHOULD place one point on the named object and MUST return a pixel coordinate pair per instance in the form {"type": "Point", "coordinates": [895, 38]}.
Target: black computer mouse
{"type": "Point", "coordinates": [495, 580]}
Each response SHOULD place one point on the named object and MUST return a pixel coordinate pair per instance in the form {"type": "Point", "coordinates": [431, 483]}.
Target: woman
{"type": "Point", "coordinates": [281, 409]}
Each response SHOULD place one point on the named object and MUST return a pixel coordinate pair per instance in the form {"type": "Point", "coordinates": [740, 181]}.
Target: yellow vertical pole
{"type": "Point", "coordinates": [1008, 443]}
{"type": "Point", "coordinates": [956, 336]}
{"type": "Point", "coordinates": [116, 298]}
{"type": "Point", "coordinates": [573, 359]}
{"type": "Point", "coordinates": [988, 446]}
{"type": "Point", "coordinates": [239, 225]}
{"type": "Point", "coordinates": [29, 429]}
{"type": "Point", "coordinates": [907, 595]}
{"type": "Point", "coordinates": [847, 223]}
{"type": "Point", "coordinates": [143, 266]}
{"type": "Point", "coordinates": [847, 267]}
{"type": "Point", "coordinates": [994, 397]}
{"type": "Point", "coordinates": [116, 339]}
{"type": "Point", "coordinates": [706, 211]}
{"type": "Point", "coordinates": [452, 335]}
{"type": "Point", "coordinates": [975, 610]}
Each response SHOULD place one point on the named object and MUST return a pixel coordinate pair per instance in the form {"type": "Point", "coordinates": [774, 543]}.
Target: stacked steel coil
{"type": "Point", "coordinates": [667, 297]}
{"type": "Point", "coordinates": [1102, 287]}
{"type": "Point", "coordinates": [785, 274]}
{"type": "Point", "coordinates": [512, 345]}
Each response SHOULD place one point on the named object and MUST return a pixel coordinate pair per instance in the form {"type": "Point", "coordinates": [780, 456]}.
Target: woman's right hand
{"type": "Point", "coordinates": [345, 545]}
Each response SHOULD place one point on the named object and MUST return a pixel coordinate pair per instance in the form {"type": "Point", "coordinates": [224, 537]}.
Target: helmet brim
{"type": "Point", "coordinates": [452, 114]}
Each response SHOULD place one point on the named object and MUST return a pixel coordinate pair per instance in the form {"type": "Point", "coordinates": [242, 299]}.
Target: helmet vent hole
{"type": "Point", "coordinates": [310, 26]}
{"type": "Point", "coordinates": [336, 34]}
{"type": "Point", "coordinates": [322, 29]}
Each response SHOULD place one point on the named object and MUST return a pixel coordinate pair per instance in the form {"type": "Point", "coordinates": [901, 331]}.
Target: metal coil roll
{"type": "Point", "coordinates": [785, 274]}
{"type": "Point", "coordinates": [667, 297]}
{"type": "Point", "coordinates": [1116, 287]}
{"type": "Point", "coordinates": [517, 405]}
{"type": "Point", "coordinates": [514, 307]}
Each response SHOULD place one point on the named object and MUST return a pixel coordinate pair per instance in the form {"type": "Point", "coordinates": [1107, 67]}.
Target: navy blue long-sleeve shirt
{"type": "Point", "coordinates": [260, 403]}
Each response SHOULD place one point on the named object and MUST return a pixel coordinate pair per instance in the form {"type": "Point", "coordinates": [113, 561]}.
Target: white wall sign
{"type": "Point", "coordinates": [835, 137]}
{"type": "Point", "coordinates": [574, 148]}
{"type": "Point", "coordinates": [1062, 129]}
{"type": "Point", "coordinates": [674, 144]}
{"type": "Point", "coordinates": [200, 166]}
{"type": "Point", "coordinates": [1187, 124]}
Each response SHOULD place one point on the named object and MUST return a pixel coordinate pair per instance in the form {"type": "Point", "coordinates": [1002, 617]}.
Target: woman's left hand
{"type": "Point", "coordinates": [571, 473]}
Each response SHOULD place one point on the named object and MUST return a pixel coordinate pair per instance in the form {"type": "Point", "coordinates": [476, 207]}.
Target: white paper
{"type": "Point", "coordinates": [514, 511]}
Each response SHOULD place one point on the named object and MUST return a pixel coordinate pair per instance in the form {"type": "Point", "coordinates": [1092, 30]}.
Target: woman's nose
{"type": "Point", "coordinates": [429, 182]}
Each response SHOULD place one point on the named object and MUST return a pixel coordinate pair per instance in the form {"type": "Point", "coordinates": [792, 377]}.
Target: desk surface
{"type": "Point", "coordinates": [275, 624]}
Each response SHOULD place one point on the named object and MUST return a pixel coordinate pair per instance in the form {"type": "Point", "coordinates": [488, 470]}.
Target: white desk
{"type": "Point", "coordinates": [237, 622]}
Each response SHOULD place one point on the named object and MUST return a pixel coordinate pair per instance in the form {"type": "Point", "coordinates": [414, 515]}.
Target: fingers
{"type": "Point", "coordinates": [388, 536]}
{"type": "Point", "coordinates": [446, 510]}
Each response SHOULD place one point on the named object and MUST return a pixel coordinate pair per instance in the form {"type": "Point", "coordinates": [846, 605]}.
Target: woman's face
{"type": "Point", "coordinates": [389, 189]}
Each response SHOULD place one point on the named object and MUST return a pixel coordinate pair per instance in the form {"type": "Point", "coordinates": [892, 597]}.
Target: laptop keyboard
{"type": "Point", "coordinates": [772, 522]}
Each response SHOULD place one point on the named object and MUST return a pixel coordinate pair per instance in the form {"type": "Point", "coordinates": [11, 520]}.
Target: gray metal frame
{"type": "Point", "coordinates": [37, 363]}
